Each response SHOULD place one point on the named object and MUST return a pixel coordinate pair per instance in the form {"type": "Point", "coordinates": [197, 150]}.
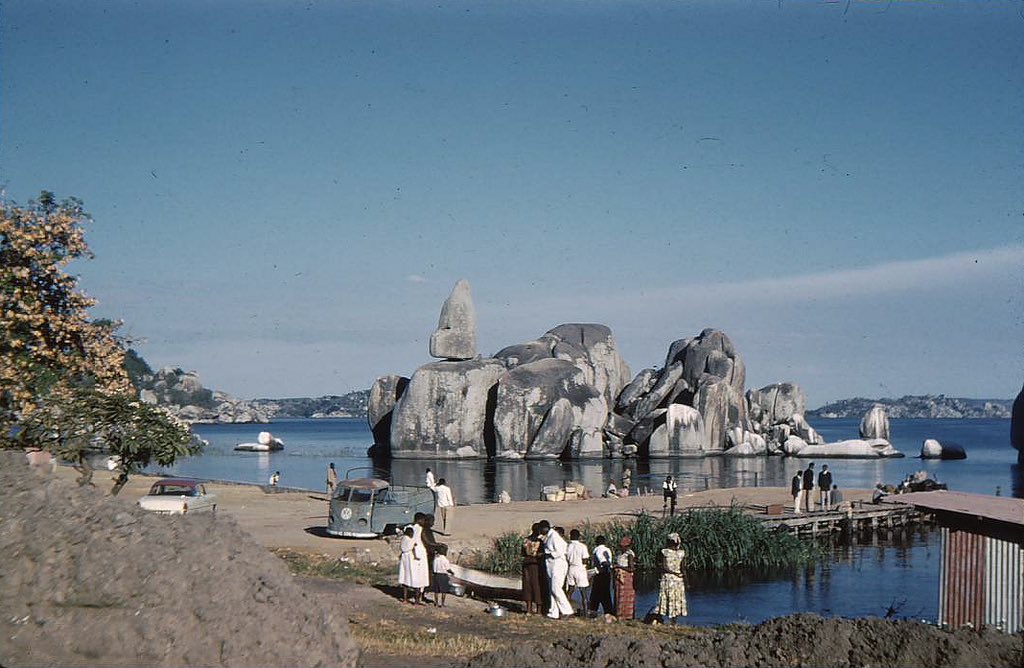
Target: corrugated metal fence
{"type": "Point", "coordinates": [981, 581]}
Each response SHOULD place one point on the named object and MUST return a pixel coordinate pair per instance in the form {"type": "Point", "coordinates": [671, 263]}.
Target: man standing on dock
{"type": "Point", "coordinates": [796, 487]}
{"type": "Point", "coordinates": [445, 505]}
{"type": "Point", "coordinates": [809, 486]}
{"type": "Point", "coordinates": [825, 488]}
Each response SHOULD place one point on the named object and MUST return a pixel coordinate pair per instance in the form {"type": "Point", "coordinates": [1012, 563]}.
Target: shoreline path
{"type": "Point", "coordinates": [296, 519]}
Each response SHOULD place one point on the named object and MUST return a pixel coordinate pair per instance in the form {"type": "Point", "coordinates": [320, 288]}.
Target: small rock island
{"type": "Point", "coordinates": [569, 394]}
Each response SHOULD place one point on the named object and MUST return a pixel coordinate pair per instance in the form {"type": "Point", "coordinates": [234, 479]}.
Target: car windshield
{"type": "Point", "coordinates": [173, 490]}
{"type": "Point", "coordinates": [354, 495]}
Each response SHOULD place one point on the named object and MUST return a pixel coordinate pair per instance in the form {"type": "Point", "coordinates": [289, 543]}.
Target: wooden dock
{"type": "Point", "coordinates": [856, 518]}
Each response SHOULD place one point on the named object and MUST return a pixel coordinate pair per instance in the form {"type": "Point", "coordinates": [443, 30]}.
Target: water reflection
{"type": "Point", "coordinates": [312, 444]}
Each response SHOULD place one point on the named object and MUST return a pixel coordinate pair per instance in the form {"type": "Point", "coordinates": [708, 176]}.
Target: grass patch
{"type": "Point", "coordinates": [335, 568]}
{"type": "Point", "coordinates": [387, 637]}
{"type": "Point", "coordinates": [715, 539]}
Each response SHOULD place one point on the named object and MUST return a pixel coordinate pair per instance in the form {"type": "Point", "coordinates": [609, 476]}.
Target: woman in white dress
{"type": "Point", "coordinates": [420, 575]}
{"type": "Point", "coordinates": [410, 555]}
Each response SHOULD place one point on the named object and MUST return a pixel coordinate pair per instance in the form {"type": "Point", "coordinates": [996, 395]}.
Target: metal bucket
{"type": "Point", "coordinates": [497, 611]}
{"type": "Point", "coordinates": [457, 589]}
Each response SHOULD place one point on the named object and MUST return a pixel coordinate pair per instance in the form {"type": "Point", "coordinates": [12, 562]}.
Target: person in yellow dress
{"type": "Point", "coordinates": [672, 595]}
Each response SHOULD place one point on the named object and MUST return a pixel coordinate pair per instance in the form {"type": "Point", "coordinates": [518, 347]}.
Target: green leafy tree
{"type": "Point", "coordinates": [63, 383]}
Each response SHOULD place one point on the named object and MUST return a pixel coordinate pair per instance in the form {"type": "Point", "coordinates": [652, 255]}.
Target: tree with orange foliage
{"type": "Point", "coordinates": [63, 384]}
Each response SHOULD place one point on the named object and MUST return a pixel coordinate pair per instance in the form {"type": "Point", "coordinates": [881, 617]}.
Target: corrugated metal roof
{"type": "Point", "coordinates": [998, 508]}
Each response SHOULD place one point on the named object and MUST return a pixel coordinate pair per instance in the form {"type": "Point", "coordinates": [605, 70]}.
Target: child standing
{"type": "Point", "coordinates": [442, 571]}
{"type": "Point", "coordinates": [577, 555]}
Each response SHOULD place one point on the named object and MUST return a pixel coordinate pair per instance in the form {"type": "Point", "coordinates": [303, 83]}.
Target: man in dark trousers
{"type": "Point", "coordinates": [825, 487]}
{"type": "Point", "coordinates": [809, 486]}
{"type": "Point", "coordinates": [795, 488]}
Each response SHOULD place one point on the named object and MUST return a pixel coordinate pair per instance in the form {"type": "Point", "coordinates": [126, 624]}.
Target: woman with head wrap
{"type": "Point", "coordinates": [672, 595]}
{"type": "Point", "coordinates": [625, 594]}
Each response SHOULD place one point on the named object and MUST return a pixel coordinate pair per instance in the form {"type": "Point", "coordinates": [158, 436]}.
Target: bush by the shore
{"type": "Point", "coordinates": [715, 539]}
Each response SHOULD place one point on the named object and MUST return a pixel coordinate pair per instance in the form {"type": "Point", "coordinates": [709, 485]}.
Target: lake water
{"type": "Point", "coordinates": [310, 445]}
{"type": "Point", "coordinates": [899, 572]}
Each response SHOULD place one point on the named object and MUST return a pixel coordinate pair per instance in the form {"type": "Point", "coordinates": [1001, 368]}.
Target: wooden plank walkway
{"type": "Point", "coordinates": [859, 517]}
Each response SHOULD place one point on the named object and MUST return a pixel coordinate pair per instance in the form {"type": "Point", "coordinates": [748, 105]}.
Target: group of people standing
{"type": "Point", "coordinates": [802, 488]}
{"type": "Point", "coordinates": [556, 572]}
{"type": "Point", "coordinates": [423, 562]}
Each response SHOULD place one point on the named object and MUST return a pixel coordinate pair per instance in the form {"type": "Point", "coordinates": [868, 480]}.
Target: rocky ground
{"type": "Point", "coordinates": [86, 579]}
{"type": "Point", "coordinates": [798, 640]}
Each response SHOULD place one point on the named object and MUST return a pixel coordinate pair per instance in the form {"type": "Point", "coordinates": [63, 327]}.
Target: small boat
{"type": "Point", "coordinates": [487, 585]}
{"type": "Point", "coordinates": [265, 442]}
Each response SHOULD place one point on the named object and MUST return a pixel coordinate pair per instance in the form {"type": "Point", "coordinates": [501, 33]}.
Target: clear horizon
{"type": "Point", "coordinates": [284, 193]}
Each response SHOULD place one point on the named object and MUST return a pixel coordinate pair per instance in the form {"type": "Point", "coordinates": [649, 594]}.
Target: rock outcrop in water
{"type": "Point", "coordinates": [932, 449]}
{"type": "Point", "coordinates": [568, 394]}
{"type": "Point", "coordinates": [875, 423]}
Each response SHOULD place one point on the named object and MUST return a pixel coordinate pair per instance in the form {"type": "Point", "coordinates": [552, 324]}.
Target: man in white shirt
{"type": "Point", "coordinates": [557, 567]}
{"type": "Point", "coordinates": [430, 479]}
{"type": "Point", "coordinates": [668, 489]}
{"type": "Point", "coordinates": [445, 505]}
{"type": "Point", "coordinates": [578, 580]}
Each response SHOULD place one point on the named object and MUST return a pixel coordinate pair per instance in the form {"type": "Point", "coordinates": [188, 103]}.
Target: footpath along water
{"type": "Point", "coordinates": [311, 444]}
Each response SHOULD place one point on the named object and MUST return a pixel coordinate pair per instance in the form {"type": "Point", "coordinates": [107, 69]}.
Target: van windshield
{"type": "Point", "coordinates": [353, 495]}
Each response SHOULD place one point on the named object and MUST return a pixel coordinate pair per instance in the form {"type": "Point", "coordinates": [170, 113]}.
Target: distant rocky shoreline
{"type": "Point", "coordinates": [918, 407]}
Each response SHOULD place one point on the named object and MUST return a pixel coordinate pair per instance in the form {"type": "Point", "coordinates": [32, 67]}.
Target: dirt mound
{"type": "Point", "coordinates": [90, 580]}
{"type": "Point", "coordinates": [798, 640]}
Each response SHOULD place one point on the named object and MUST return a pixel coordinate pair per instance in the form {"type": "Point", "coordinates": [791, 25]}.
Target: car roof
{"type": "Point", "coordinates": [364, 483]}
{"type": "Point", "coordinates": [184, 482]}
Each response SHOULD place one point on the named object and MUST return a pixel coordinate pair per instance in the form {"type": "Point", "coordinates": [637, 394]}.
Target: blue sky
{"type": "Point", "coordinates": [284, 193]}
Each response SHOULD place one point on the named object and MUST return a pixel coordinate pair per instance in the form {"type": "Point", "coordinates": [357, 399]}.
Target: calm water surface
{"type": "Point", "coordinates": [311, 444]}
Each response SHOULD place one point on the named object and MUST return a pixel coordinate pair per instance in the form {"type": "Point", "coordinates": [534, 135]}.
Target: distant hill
{"type": "Point", "coordinates": [352, 404]}
{"type": "Point", "coordinates": [183, 394]}
{"type": "Point", "coordinates": [918, 406]}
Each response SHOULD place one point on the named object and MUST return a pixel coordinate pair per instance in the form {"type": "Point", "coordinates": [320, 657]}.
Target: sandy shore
{"type": "Point", "coordinates": [296, 519]}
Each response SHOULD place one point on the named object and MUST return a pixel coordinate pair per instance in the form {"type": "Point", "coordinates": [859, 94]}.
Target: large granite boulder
{"type": "Point", "coordinates": [719, 405]}
{"type": "Point", "coordinates": [932, 449]}
{"type": "Point", "coordinates": [875, 423]}
{"type": "Point", "coordinates": [455, 336]}
{"type": "Point", "coordinates": [779, 402]}
{"type": "Point", "coordinates": [687, 436]}
{"type": "Point", "coordinates": [545, 406]}
{"type": "Point", "coordinates": [384, 395]}
{"type": "Point", "coordinates": [804, 430]}
{"type": "Point", "coordinates": [445, 410]}
{"type": "Point", "coordinates": [635, 391]}
{"type": "Point", "coordinates": [710, 352]}
{"type": "Point", "coordinates": [870, 448]}
{"type": "Point", "coordinates": [659, 394]}
{"type": "Point", "coordinates": [591, 347]}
